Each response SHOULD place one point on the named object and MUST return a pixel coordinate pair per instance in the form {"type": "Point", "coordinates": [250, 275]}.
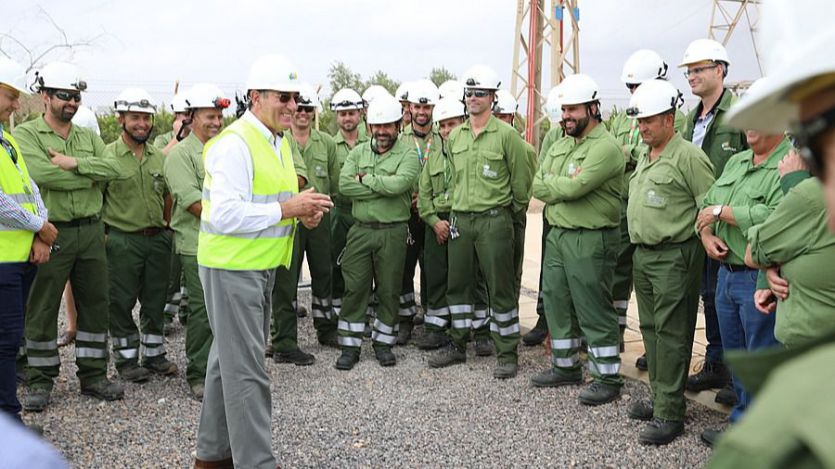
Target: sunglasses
{"type": "Point", "coordinates": [307, 109]}
{"type": "Point", "coordinates": [476, 93]}
{"type": "Point", "coordinates": [286, 97]}
{"type": "Point", "coordinates": [808, 134]}
{"type": "Point", "coordinates": [697, 70]}
{"type": "Point", "coordinates": [67, 96]}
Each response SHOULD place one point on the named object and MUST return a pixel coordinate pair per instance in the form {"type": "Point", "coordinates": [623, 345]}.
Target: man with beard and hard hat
{"type": "Point", "coordinates": [707, 65]}
{"type": "Point", "coordinates": [434, 203]}
{"type": "Point", "coordinates": [26, 236]}
{"type": "Point", "coordinates": [668, 184]}
{"type": "Point", "coordinates": [581, 180]}
{"type": "Point", "coordinates": [250, 205]}
{"type": "Point", "coordinates": [421, 98]}
{"type": "Point", "coordinates": [68, 163]}
{"type": "Point", "coordinates": [789, 424]}
{"type": "Point", "coordinates": [348, 106]}
{"type": "Point", "coordinates": [379, 177]}
{"type": "Point", "coordinates": [492, 182]}
{"type": "Point", "coordinates": [184, 173]}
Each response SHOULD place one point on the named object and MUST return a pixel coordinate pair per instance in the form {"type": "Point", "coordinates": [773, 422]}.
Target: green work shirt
{"type": "Point", "coordinates": [67, 194]}
{"type": "Point", "coordinates": [795, 236]}
{"type": "Point", "coordinates": [424, 146]}
{"type": "Point", "coordinates": [184, 175]}
{"type": "Point", "coordinates": [554, 133]}
{"type": "Point", "coordinates": [298, 160]}
{"type": "Point", "coordinates": [162, 140]}
{"type": "Point", "coordinates": [491, 170]}
{"type": "Point", "coordinates": [751, 192]}
{"type": "Point", "coordinates": [385, 193]}
{"type": "Point", "coordinates": [319, 154]}
{"type": "Point", "coordinates": [721, 141]}
{"type": "Point", "coordinates": [435, 186]}
{"type": "Point", "coordinates": [590, 199]}
{"type": "Point", "coordinates": [342, 150]}
{"type": "Point", "coordinates": [664, 194]}
{"type": "Point", "coordinates": [137, 201]}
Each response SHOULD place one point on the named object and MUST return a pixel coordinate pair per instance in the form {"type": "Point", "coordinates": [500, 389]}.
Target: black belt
{"type": "Point", "coordinates": [76, 222]}
{"type": "Point", "coordinates": [661, 246]}
{"type": "Point", "coordinates": [149, 231]}
{"type": "Point", "coordinates": [737, 267]}
{"type": "Point", "coordinates": [377, 225]}
{"type": "Point", "coordinates": [492, 212]}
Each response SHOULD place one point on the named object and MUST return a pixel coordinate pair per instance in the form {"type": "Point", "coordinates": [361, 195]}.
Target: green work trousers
{"type": "Point", "coordinates": [138, 269]}
{"type": "Point", "coordinates": [622, 285]}
{"type": "Point", "coordinates": [341, 222]}
{"type": "Point", "coordinates": [198, 332]}
{"type": "Point", "coordinates": [481, 249]}
{"type": "Point", "coordinates": [81, 259]}
{"type": "Point", "coordinates": [414, 256]}
{"type": "Point", "coordinates": [520, 220]}
{"type": "Point", "coordinates": [436, 268]}
{"type": "Point", "coordinates": [577, 289]}
{"type": "Point", "coordinates": [667, 282]}
{"type": "Point", "coordinates": [374, 255]}
{"type": "Point", "coordinates": [546, 228]}
{"type": "Point", "coordinates": [177, 295]}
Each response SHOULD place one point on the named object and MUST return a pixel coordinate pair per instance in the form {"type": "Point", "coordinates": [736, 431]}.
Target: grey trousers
{"type": "Point", "coordinates": [235, 420]}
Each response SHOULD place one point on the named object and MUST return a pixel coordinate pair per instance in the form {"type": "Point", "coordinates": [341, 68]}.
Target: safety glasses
{"type": "Point", "coordinates": [698, 70]}
{"type": "Point", "coordinates": [286, 97]}
{"type": "Point", "coordinates": [808, 135]}
{"type": "Point", "coordinates": [477, 93]}
{"type": "Point", "coordinates": [66, 95]}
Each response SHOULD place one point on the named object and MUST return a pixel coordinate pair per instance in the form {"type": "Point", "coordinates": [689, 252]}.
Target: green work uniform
{"type": "Point", "coordinates": [74, 201]}
{"type": "Point", "coordinates": [376, 246]}
{"type": "Point", "coordinates": [319, 154]}
{"type": "Point", "coordinates": [664, 195]}
{"type": "Point", "coordinates": [581, 181]}
{"type": "Point", "coordinates": [138, 252]}
{"type": "Point", "coordinates": [177, 295]}
{"type": "Point", "coordinates": [795, 237]}
{"type": "Point", "coordinates": [341, 220]}
{"type": "Point", "coordinates": [162, 140]}
{"type": "Point", "coordinates": [520, 220]}
{"type": "Point", "coordinates": [184, 175]}
{"type": "Point", "coordinates": [555, 133]}
{"type": "Point", "coordinates": [491, 182]}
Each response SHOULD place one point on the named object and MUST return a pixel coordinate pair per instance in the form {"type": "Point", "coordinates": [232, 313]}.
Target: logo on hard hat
{"type": "Point", "coordinates": [293, 76]}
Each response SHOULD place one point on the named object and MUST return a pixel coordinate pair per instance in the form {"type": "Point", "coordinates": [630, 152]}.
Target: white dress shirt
{"type": "Point", "coordinates": [229, 164]}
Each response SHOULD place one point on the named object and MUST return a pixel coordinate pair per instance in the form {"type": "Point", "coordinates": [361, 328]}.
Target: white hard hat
{"type": "Point", "coordinates": [178, 102]}
{"type": "Point", "coordinates": [701, 50]}
{"type": "Point", "coordinates": [273, 72]}
{"type": "Point", "coordinates": [402, 93]}
{"type": "Point", "coordinates": [643, 65]}
{"type": "Point", "coordinates": [577, 89]}
{"type": "Point", "coordinates": [373, 92]}
{"type": "Point", "coordinates": [384, 110]}
{"type": "Point", "coordinates": [206, 95]}
{"type": "Point", "coordinates": [798, 38]}
{"type": "Point", "coordinates": [553, 107]}
{"type": "Point", "coordinates": [59, 76]}
{"type": "Point", "coordinates": [653, 97]}
{"type": "Point", "coordinates": [423, 92]}
{"type": "Point", "coordinates": [135, 100]}
{"type": "Point", "coordinates": [452, 89]}
{"type": "Point", "coordinates": [13, 75]}
{"type": "Point", "coordinates": [505, 103]}
{"type": "Point", "coordinates": [346, 99]}
{"type": "Point", "coordinates": [447, 108]}
{"type": "Point", "coordinates": [85, 117]}
{"type": "Point", "coordinates": [481, 77]}
{"type": "Point", "coordinates": [308, 96]}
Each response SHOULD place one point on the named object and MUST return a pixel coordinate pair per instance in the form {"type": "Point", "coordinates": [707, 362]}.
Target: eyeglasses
{"type": "Point", "coordinates": [477, 93]}
{"type": "Point", "coordinates": [808, 134]}
{"type": "Point", "coordinates": [697, 70]}
{"type": "Point", "coordinates": [307, 109]}
{"type": "Point", "coordinates": [286, 97]}
{"type": "Point", "coordinates": [66, 96]}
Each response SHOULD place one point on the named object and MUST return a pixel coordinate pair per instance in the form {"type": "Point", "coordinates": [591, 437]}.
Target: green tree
{"type": "Point", "coordinates": [341, 76]}
{"type": "Point", "coordinates": [439, 75]}
{"type": "Point", "coordinates": [381, 78]}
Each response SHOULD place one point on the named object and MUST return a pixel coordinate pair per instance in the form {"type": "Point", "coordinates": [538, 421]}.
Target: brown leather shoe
{"type": "Point", "coordinates": [222, 464]}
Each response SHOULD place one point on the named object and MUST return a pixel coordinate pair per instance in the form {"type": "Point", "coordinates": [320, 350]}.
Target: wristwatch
{"type": "Point", "coordinates": [717, 211]}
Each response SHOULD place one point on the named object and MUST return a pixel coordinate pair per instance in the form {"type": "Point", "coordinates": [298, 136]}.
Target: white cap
{"type": "Point", "coordinates": [653, 97]}
{"type": "Point", "coordinates": [577, 89]}
{"type": "Point", "coordinates": [505, 103]}
{"type": "Point", "coordinates": [273, 72]}
{"type": "Point", "coordinates": [481, 77]}
{"type": "Point", "coordinates": [135, 100]}
{"type": "Point", "coordinates": [704, 49]}
{"type": "Point", "coordinates": [85, 117]}
{"type": "Point", "coordinates": [346, 99]}
{"type": "Point", "coordinates": [423, 92]}
{"type": "Point", "coordinates": [553, 107]}
{"type": "Point", "coordinates": [59, 76]}
{"type": "Point", "coordinates": [643, 65]}
{"type": "Point", "coordinates": [452, 89]}
{"type": "Point", "coordinates": [384, 110]}
{"type": "Point", "coordinates": [206, 95]}
{"type": "Point", "coordinates": [447, 108]}
{"type": "Point", "coordinates": [13, 75]}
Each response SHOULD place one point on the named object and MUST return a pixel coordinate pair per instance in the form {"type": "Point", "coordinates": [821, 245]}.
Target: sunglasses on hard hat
{"type": "Point", "coordinates": [477, 93]}
{"type": "Point", "coordinates": [143, 103]}
{"type": "Point", "coordinates": [808, 135]}
{"type": "Point", "coordinates": [66, 95]}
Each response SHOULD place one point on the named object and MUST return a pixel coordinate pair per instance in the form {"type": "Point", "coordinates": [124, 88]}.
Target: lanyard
{"type": "Point", "coordinates": [423, 155]}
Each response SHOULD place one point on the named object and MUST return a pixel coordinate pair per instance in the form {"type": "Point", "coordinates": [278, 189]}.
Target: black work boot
{"type": "Point", "coordinates": [347, 360]}
{"type": "Point", "coordinates": [483, 346]}
{"type": "Point", "coordinates": [296, 357]}
{"type": "Point", "coordinates": [134, 373]}
{"type": "Point", "coordinates": [405, 332]}
{"type": "Point", "coordinates": [104, 390]}
{"type": "Point", "coordinates": [598, 393]}
{"type": "Point", "coordinates": [726, 396]}
{"type": "Point", "coordinates": [660, 432]}
{"type": "Point", "coordinates": [505, 370]}
{"type": "Point", "coordinates": [329, 339]}
{"type": "Point", "coordinates": [552, 378]}
{"type": "Point", "coordinates": [713, 375]}
{"type": "Point", "coordinates": [432, 340]}
{"type": "Point", "coordinates": [161, 366]}
{"type": "Point", "coordinates": [641, 363]}
{"type": "Point", "coordinates": [640, 410]}
{"type": "Point", "coordinates": [450, 355]}
{"type": "Point", "coordinates": [536, 335]}
{"type": "Point", "coordinates": [384, 356]}
{"type": "Point", "coordinates": [36, 399]}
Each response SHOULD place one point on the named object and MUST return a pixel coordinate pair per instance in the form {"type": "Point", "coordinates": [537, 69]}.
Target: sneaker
{"type": "Point", "coordinates": [104, 390]}
{"type": "Point", "coordinates": [296, 357]}
{"type": "Point", "coordinates": [536, 335]}
{"type": "Point", "coordinates": [726, 396]}
{"type": "Point", "coordinates": [711, 436]}
{"type": "Point", "coordinates": [197, 391]}
{"type": "Point", "coordinates": [385, 357]}
{"type": "Point", "coordinates": [450, 355]}
{"type": "Point", "coordinates": [641, 363]}
{"type": "Point", "coordinates": [483, 346]}
{"type": "Point", "coordinates": [432, 340]}
{"type": "Point", "coordinates": [660, 432]}
{"type": "Point", "coordinates": [598, 393]}
{"type": "Point", "coordinates": [347, 360]}
{"type": "Point", "coordinates": [36, 399]}
{"type": "Point", "coordinates": [161, 366]}
{"type": "Point", "coordinates": [640, 410]}
{"type": "Point", "coordinates": [505, 370]}
{"type": "Point", "coordinates": [405, 333]}
{"type": "Point", "coordinates": [551, 378]}
{"type": "Point", "coordinates": [134, 373]}
{"type": "Point", "coordinates": [712, 375]}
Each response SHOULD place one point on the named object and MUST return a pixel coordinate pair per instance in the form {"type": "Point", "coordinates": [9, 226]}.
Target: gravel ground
{"type": "Point", "coordinates": [408, 416]}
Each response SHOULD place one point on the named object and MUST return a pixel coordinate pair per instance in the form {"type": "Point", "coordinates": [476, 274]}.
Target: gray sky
{"type": "Point", "coordinates": [152, 43]}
